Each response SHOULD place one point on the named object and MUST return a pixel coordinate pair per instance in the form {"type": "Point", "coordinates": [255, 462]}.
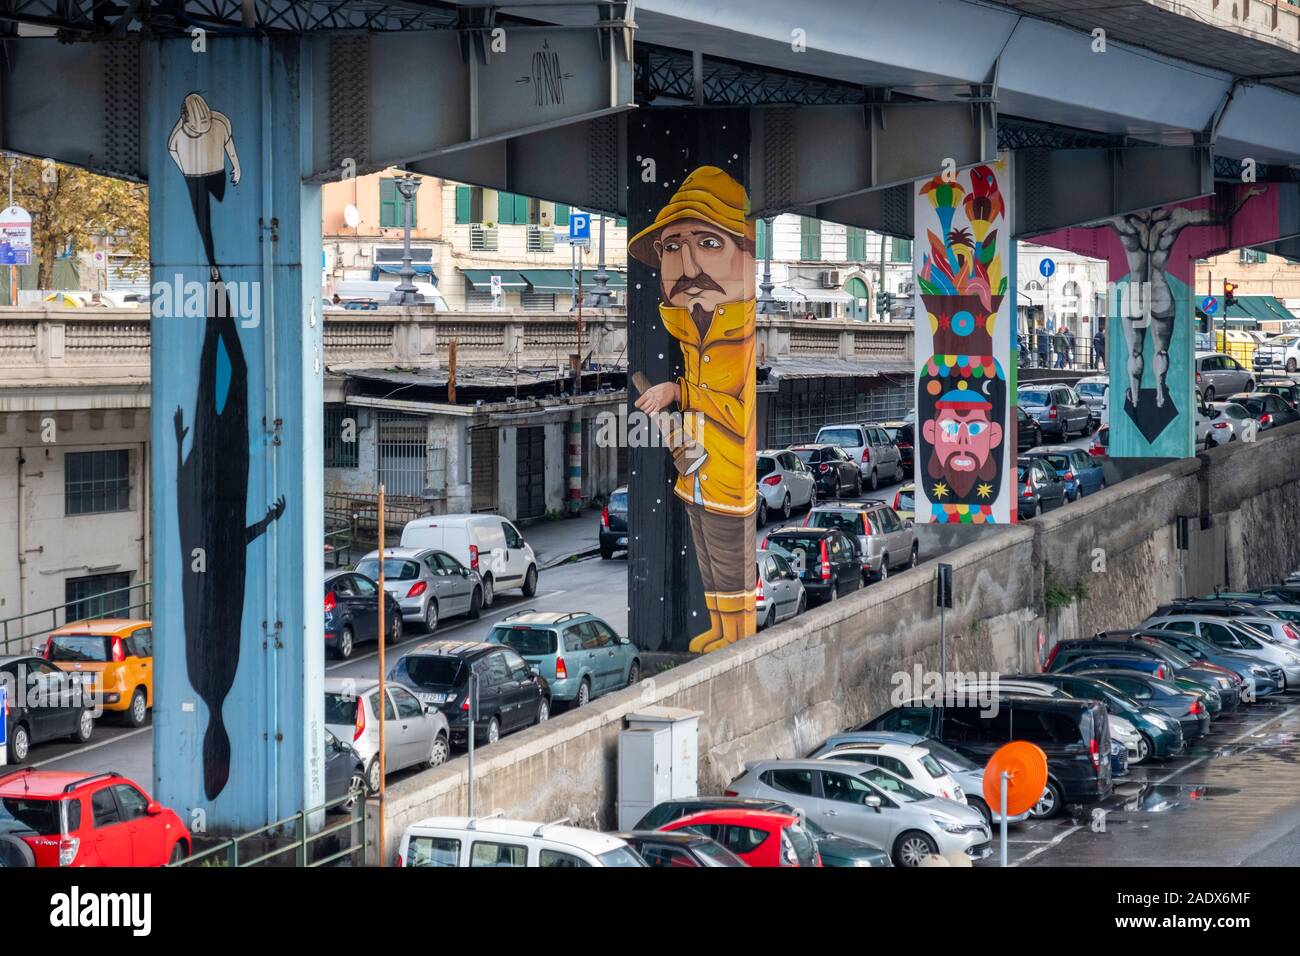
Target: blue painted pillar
{"type": "Point", "coordinates": [237, 464]}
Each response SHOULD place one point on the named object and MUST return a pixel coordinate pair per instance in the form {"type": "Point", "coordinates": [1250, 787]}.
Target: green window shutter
{"type": "Point", "coordinates": [505, 209]}
{"type": "Point", "coordinates": [810, 238]}
{"type": "Point", "coordinates": [763, 237]}
{"type": "Point", "coordinates": [390, 204]}
{"type": "Point", "coordinates": [622, 222]}
{"type": "Point", "coordinates": [464, 204]}
{"type": "Point", "coordinates": [902, 250]}
{"type": "Point", "coordinates": [856, 244]}
{"type": "Point", "coordinates": [561, 214]}
{"type": "Point", "coordinates": [521, 211]}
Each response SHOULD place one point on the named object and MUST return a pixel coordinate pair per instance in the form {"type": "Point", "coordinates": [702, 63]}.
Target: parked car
{"type": "Point", "coordinates": [870, 446]}
{"type": "Point", "coordinates": [414, 735]}
{"type": "Point", "coordinates": [913, 764]}
{"type": "Point", "coordinates": [1280, 352]}
{"type": "Point", "coordinates": [1095, 392]}
{"type": "Point", "coordinates": [759, 837]}
{"type": "Point", "coordinates": [885, 541]}
{"type": "Point", "coordinates": [684, 848]}
{"type": "Point", "coordinates": [1244, 426]}
{"type": "Point", "coordinates": [1081, 473]}
{"type": "Point", "coordinates": [826, 559]}
{"type": "Point", "coordinates": [345, 772]}
{"type": "Point", "coordinates": [1252, 679]}
{"type": "Point", "coordinates": [496, 841]}
{"type": "Point", "coordinates": [1100, 446]}
{"type": "Point", "coordinates": [1058, 410]}
{"type": "Point", "coordinates": [1275, 625]}
{"type": "Point", "coordinates": [1231, 634]}
{"type": "Point", "coordinates": [427, 585]}
{"type": "Point", "coordinates": [871, 804]}
{"type": "Point", "coordinates": [1204, 342]}
{"type": "Point", "coordinates": [579, 655]}
{"type": "Point", "coordinates": [1178, 667]}
{"type": "Point", "coordinates": [1074, 734]}
{"type": "Point", "coordinates": [1159, 735]}
{"type": "Point", "coordinates": [45, 704]}
{"type": "Point", "coordinates": [903, 435]}
{"type": "Point", "coordinates": [1213, 428]}
{"type": "Point", "coordinates": [1271, 411]}
{"type": "Point", "coordinates": [1285, 610]}
{"type": "Point", "coordinates": [1029, 434]}
{"type": "Point", "coordinates": [784, 484]}
{"type": "Point", "coordinates": [119, 653]}
{"type": "Point", "coordinates": [778, 594]}
{"type": "Point", "coordinates": [487, 544]}
{"type": "Point", "coordinates": [1182, 705]}
{"type": "Point", "coordinates": [834, 850]}
{"type": "Point", "coordinates": [1288, 389]}
{"type": "Point", "coordinates": [511, 695]}
{"type": "Point", "coordinates": [1040, 488]}
{"type": "Point", "coordinates": [835, 472]}
{"type": "Point", "coordinates": [1219, 374]}
{"type": "Point", "coordinates": [352, 612]}
{"type": "Point", "coordinates": [905, 502]}
{"type": "Point", "coordinates": [613, 524]}
{"type": "Point", "coordinates": [61, 818]}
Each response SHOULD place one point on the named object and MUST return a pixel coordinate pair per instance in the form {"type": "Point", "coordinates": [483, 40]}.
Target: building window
{"type": "Point", "coordinates": [482, 238]}
{"type": "Point", "coordinates": [95, 482]}
{"type": "Point", "coordinates": [900, 250]}
{"type": "Point", "coordinates": [1253, 256]}
{"type": "Point", "coordinates": [810, 238]}
{"type": "Point", "coordinates": [99, 595]}
{"type": "Point", "coordinates": [537, 301]}
{"type": "Point", "coordinates": [561, 217]}
{"type": "Point", "coordinates": [341, 429]}
{"type": "Point", "coordinates": [476, 300]}
{"type": "Point", "coordinates": [469, 204]}
{"type": "Point", "coordinates": [856, 244]}
{"type": "Point", "coordinates": [391, 211]}
{"type": "Point", "coordinates": [540, 240]}
{"type": "Point", "coordinates": [515, 210]}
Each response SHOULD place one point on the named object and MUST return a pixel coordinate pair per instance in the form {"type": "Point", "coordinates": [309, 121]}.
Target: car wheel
{"type": "Point", "coordinates": [769, 619]}
{"type": "Point", "coordinates": [372, 775]}
{"type": "Point", "coordinates": [785, 507]}
{"type": "Point", "coordinates": [884, 568]}
{"type": "Point", "coordinates": [1209, 394]}
{"type": "Point", "coordinates": [983, 809]}
{"type": "Point", "coordinates": [583, 696]}
{"type": "Point", "coordinates": [857, 485]}
{"type": "Point", "coordinates": [530, 581]}
{"type": "Point", "coordinates": [343, 646]}
{"type": "Point", "coordinates": [762, 511]}
{"type": "Point", "coordinates": [19, 744]}
{"type": "Point", "coordinates": [634, 674]}
{"type": "Point", "coordinates": [139, 709]}
{"type": "Point", "coordinates": [606, 553]}
{"type": "Point", "coordinates": [356, 790]}
{"type": "Point", "coordinates": [1291, 365]}
{"type": "Point", "coordinates": [431, 616]}
{"type": "Point", "coordinates": [912, 847]}
{"type": "Point", "coordinates": [875, 480]}
{"type": "Point", "coordinates": [493, 731]}
{"type": "Point", "coordinates": [438, 755]}
{"type": "Point", "coordinates": [803, 604]}
{"type": "Point", "coordinates": [394, 632]}
{"type": "Point", "coordinates": [85, 728]}
{"type": "Point", "coordinates": [14, 852]}
{"type": "Point", "coordinates": [489, 595]}
{"type": "Point", "coordinates": [543, 711]}
{"type": "Point", "coordinates": [916, 556]}
{"type": "Point", "coordinates": [1145, 747]}
{"type": "Point", "coordinates": [1250, 385]}
{"type": "Point", "coordinates": [476, 604]}
{"type": "Point", "coordinates": [835, 593]}
{"type": "Point", "coordinates": [1049, 805]}
{"type": "Point", "coordinates": [178, 852]}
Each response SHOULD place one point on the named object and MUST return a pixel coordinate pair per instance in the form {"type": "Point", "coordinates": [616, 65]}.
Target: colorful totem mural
{"type": "Point", "coordinates": [1149, 333]}
{"type": "Point", "coordinates": [963, 272]}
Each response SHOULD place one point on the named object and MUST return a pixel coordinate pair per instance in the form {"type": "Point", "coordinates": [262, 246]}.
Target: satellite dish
{"type": "Point", "coordinates": [1026, 768]}
{"type": "Point", "coordinates": [351, 216]}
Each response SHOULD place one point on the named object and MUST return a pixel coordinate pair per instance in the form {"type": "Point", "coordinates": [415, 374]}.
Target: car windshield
{"type": "Point", "coordinates": [1176, 657]}
{"type": "Point", "coordinates": [433, 670]}
{"type": "Point", "coordinates": [1092, 389]}
{"type": "Point", "coordinates": [766, 466]}
{"type": "Point", "coordinates": [1022, 471]}
{"type": "Point", "coordinates": [395, 569]}
{"type": "Point", "coordinates": [805, 454]}
{"type": "Point", "coordinates": [78, 647]}
{"type": "Point", "coordinates": [618, 501]}
{"type": "Point", "coordinates": [620, 856]}
{"type": "Point", "coordinates": [850, 522]}
{"type": "Point", "coordinates": [947, 756]}
{"type": "Point", "coordinates": [1034, 398]}
{"type": "Point", "coordinates": [1059, 462]}
{"type": "Point", "coordinates": [29, 815]}
{"type": "Point", "coordinates": [340, 708]}
{"type": "Point", "coordinates": [526, 641]}
{"type": "Point", "coordinates": [844, 437]}
{"type": "Point", "coordinates": [932, 766]}
{"type": "Point", "coordinates": [1253, 405]}
{"type": "Point", "coordinates": [795, 543]}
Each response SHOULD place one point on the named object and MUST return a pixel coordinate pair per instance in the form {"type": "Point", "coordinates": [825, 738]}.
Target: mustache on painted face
{"type": "Point", "coordinates": [701, 281]}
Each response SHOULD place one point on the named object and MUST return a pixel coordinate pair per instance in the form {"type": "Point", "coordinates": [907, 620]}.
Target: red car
{"type": "Point", "coordinates": [759, 837]}
{"type": "Point", "coordinates": [56, 818]}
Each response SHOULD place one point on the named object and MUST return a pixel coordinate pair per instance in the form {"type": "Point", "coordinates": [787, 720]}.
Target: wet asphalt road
{"type": "Point", "coordinates": [1232, 800]}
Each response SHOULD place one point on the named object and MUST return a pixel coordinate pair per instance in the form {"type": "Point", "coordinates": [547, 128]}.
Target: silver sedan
{"type": "Point", "coordinates": [785, 484]}
{"type": "Point", "coordinates": [427, 584]}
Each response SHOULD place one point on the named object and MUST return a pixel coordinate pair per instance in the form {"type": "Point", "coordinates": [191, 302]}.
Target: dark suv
{"type": "Point", "coordinates": [904, 437]}
{"type": "Point", "coordinates": [835, 472]}
{"type": "Point", "coordinates": [1075, 735]}
{"type": "Point", "coordinates": [511, 695]}
{"type": "Point", "coordinates": [828, 562]}
{"type": "Point", "coordinates": [613, 524]}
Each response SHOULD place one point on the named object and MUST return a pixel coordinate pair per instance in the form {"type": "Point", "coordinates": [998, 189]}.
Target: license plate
{"type": "Point", "coordinates": [622, 541]}
{"type": "Point", "coordinates": [430, 698]}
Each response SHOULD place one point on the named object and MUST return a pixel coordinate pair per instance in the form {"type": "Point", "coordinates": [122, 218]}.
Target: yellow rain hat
{"type": "Point", "coordinates": [708, 194]}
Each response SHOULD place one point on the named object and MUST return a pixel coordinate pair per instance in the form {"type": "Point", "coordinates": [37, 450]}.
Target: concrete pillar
{"type": "Point", "coordinates": [686, 215]}
{"type": "Point", "coordinates": [237, 404]}
{"type": "Point", "coordinates": [574, 503]}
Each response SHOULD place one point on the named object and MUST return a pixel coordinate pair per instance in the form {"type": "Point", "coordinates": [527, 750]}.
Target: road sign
{"type": "Point", "coordinates": [1047, 267]}
{"type": "Point", "coordinates": [496, 286]}
{"type": "Point", "coordinates": [10, 256]}
{"type": "Point", "coordinates": [1209, 305]}
{"type": "Point", "coordinates": [579, 226]}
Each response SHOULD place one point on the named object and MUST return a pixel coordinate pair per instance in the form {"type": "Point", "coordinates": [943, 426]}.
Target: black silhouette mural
{"type": "Point", "coordinates": [212, 480]}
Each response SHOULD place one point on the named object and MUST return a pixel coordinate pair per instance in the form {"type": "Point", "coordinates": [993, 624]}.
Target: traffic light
{"type": "Point", "coordinates": [1229, 294]}
{"type": "Point", "coordinates": [886, 304]}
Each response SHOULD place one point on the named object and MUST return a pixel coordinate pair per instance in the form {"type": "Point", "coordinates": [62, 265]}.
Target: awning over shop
{"type": "Point", "coordinates": [482, 278]}
{"type": "Point", "coordinates": [783, 293]}
{"type": "Point", "coordinates": [561, 280]}
{"type": "Point", "coordinates": [1250, 310]}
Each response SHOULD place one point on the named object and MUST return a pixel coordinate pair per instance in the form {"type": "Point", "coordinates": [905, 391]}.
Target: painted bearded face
{"type": "Point", "coordinates": [964, 440]}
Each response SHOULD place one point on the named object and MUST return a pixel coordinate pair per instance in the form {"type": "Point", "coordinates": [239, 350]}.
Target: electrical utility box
{"type": "Point", "coordinates": [684, 726]}
{"type": "Point", "coordinates": [644, 772]}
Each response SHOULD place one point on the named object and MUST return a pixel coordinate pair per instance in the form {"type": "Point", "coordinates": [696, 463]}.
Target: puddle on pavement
{"type": "Point", "coordinates": [1160, 798]}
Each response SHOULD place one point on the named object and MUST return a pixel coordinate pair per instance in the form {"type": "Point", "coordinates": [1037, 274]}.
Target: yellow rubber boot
{"type": "Point", "coordinates": [700, 641]}
{"type": "Point", "coordinates": [737, 611]}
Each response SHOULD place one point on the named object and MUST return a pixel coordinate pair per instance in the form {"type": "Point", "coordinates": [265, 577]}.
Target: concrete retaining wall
{"type": "Point", "coordinates": [782, 692]}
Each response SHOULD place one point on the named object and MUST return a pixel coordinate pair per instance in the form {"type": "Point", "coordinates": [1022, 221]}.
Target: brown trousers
{"type": "Point", "coordinates": [724, 550]}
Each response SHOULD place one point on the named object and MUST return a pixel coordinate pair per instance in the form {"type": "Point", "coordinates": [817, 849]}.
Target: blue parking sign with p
{"type": "Point", "coordinates": [579, 225]}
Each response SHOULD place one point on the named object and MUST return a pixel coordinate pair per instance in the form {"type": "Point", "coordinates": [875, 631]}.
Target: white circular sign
{"type": "Point", "coordinates": [351, 216]}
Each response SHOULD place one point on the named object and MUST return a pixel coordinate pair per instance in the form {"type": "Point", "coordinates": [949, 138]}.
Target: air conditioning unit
{"type": "Point", "coordinates": [831, 279]}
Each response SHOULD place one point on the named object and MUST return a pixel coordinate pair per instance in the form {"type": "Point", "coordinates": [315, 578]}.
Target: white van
{"type": "Point", "coordinates": [373, 290]}
{"type": "Point", "coordinates": [489, 544]}
{"type": "Point", "coordinates": [494, 841]}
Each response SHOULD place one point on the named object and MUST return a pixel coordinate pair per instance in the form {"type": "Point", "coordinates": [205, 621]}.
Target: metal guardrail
{"type": "Point", "coordinates": [14, 630]}
{"type": "Point", "coordinates": [228, 852]}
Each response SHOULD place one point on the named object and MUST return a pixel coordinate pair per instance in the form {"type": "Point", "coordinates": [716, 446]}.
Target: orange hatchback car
{"type": "Point", "coordinates": [119, 652]}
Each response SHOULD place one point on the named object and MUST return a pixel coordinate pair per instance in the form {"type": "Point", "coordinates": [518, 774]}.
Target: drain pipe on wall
{"type": "Point", "coordinates": [22, 540]}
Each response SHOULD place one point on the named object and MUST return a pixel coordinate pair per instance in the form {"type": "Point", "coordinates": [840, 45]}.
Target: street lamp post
{"type": "Point", "coordinates": [766, 304]}
{"type": "Point", "coordinates": [405, 293]}
{"type": "Point", "coordinates": [601, 297]}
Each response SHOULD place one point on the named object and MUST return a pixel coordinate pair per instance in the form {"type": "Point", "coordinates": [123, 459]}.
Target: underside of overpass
{"type": "Point", "coordinates": [828, 108]}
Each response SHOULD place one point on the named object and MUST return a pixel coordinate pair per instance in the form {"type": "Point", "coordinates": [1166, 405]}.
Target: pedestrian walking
{"type": "Point", "coordinates": [1058, 346]}
{"type": "Point", "coordinates": [1099, 349]}
{"type": "Point", "coordinates": [1071, 358]}
{"type": "Point", "coordinates": [1043, 346]}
